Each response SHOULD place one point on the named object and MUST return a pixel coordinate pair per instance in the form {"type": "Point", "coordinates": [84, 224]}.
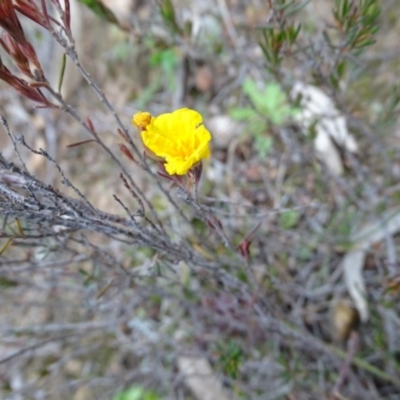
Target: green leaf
{"type": "Point", "coordinates": [264, 145]}
{"type": "Point", "coordinates": [271, 102]}
{"type": "Point", "coordinates": [340, 68]}
{"type": "Point", "coordinates": [257, 126]}
{"type": "Point", "coordinates": [136, 393]}
{"type": "Point", "coordinates": [251, 90]}
{"type": "Point", "coordinates": [230, 357]}
{"type": "Point", "coordinates": [169, 60]}
{"type": "Point", "coordinates": [168, 13]}
{"type": "Point", "coordinates": [242, 114]}
{"type": "Point", "coordinates": [5, 282]}
{"type": "Point", "coordinates": [289, 219]}
{"type": "Point", "coordinates": [4, 247]}
{"type": "Point", "coordinates": [296, 8]}
{"type": "Point", "coordinates": [256, 96]}
{"type": "Point", "coordinates": [62, 72]}
{"type": "Point", "coordinates": [199, 225]}
{"type": "Point", "coordinates": [274, 98]}
{"type": "Point", "coordinates": [100, 9]}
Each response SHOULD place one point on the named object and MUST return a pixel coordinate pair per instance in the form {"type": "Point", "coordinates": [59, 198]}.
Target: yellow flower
{"type": "Point", "coordinates": [179, 138]}
{"type": "Point", "coordinates": [141, 119]}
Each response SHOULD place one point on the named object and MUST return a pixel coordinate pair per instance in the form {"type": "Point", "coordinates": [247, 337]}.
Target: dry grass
{"type": "Point", "coordinates": [94, 300]}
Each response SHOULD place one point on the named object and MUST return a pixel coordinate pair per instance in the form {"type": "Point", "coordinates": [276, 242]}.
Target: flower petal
{"type": "Point", "coordinates": [179, 137]}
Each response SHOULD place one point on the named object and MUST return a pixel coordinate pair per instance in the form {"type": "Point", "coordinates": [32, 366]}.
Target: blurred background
{"type": "Point", "coordinates": [280, 280]}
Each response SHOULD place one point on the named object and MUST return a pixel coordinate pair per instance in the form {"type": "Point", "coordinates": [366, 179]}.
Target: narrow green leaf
{"type": "Point", "coordinates": [100, 10]}
{"type": "Point", "coordinates": [62, 72]}
{"type": "Point", "coordinates": [340, 69]}
{"type": "Point", "coordinates": [168, 13]}
{"type": "Point", "coordinates": [5, 246]}
{"type": "Point", "coordinates": [296, 8]}
{"type": "Point", "coordinates": [19, 227]}
{"type": "Point", "coordinates": [5, 282]}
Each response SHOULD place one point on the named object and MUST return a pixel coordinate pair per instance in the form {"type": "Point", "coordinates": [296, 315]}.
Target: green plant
{"type": "Point", "coordinates": [136, 393]}
{"type": "Point", "coordinates": [100, 9]}
{"type": "Point", "coordinates": [167, 12]}
{"type": "Point", "coordinates": [230, 356]}
{"type": "Point", "coordinates": [357, 23]}
{"type": "Point", "coordinates": [164, 60]}
{"type": "Point", "coordinates": [289, 219]}
{"type": "Point", "coordinates": [280, 36]}
{"type": "Point", "coordinates": [269, 107]}
{"type": "Point", "coordinates": [167, 60]}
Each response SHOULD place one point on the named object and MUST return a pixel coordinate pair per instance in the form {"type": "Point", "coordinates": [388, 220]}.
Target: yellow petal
{"type": "Point", "coordinates": [142, 119]}
{"type": "Point", "coordinates": [180, 138]}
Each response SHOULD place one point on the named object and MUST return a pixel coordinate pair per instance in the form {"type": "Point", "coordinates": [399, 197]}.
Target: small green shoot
{"type": "Point", "coordinates": [289, 219]}
{"type": "Point", "coordinates": [136, 393]}
{"type": "Point", "coordinates": [269, 107]}
{"type": "Point", "coordinates": [167, 60]}
{"type": "Point", "coordinates": [230, 357]}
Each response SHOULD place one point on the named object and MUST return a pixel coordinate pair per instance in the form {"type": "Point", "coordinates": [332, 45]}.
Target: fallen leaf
{"type": "Point", "coordinates": [201, 380]}
{"type": "Point", "coordinates": [318, 112]}
{"type": "Point", "coordinates": [353, 262]}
